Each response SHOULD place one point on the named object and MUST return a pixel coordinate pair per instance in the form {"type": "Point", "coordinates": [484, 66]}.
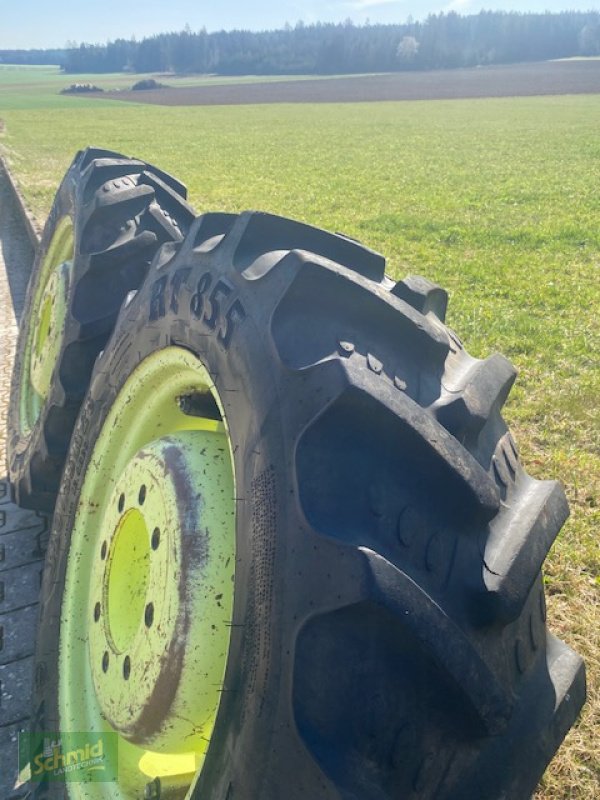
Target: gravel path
{"type": "Point", "coordinates": [22, 533]}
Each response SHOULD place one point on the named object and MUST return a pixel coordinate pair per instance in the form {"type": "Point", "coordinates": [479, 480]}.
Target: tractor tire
{"type": "Point", "coordinates": [110, 215]}
{"type": "Point", "coordinates": [386, 635]}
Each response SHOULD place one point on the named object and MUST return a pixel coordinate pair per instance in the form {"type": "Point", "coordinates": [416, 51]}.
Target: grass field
{"type": "Point", "coordinates": [497, 200]}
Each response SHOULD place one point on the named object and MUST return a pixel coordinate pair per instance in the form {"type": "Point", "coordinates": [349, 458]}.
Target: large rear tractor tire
{"type": "Point", "coordinates": [296, 555]}
{"type": "Point", "coordinates": [110, 215]}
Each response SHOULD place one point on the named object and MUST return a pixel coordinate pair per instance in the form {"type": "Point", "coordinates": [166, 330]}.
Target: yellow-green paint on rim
{"type": "Point", "coordinates": [148, 599]}
{"type": "Point", "coordinates": [46, 326]}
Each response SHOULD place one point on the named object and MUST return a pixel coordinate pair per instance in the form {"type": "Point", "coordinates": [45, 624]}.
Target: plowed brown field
{"type": "Point", "coordinates": [540, 78]}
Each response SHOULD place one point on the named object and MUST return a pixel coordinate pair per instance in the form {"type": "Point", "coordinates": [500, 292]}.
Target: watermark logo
{"type": "Point", "coordinates": [87, 757]}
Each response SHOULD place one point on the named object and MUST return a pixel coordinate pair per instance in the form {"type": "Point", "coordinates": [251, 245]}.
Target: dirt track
{"type": "Point", "coordinates": [543, 78]}
{"type": "Point", "coordinates": [22, 533]}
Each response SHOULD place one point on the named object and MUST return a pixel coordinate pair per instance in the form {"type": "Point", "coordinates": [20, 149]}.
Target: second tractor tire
{"type": "Point", "coordinates": [110, 215]}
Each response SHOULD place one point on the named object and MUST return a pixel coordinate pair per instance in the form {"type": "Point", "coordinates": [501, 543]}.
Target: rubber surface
{"type": "Point", "coordinates": [122, 210]}
{"type": "Point", "coordinates": [389, 631]}
{"type": "Point", "coordinates": [23, 534]}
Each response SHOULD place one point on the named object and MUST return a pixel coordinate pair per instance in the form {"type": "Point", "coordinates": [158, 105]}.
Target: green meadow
{"type": "Point", "coordinates": [497, 200]}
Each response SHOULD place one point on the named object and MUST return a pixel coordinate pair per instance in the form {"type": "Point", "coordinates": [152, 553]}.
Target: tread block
{"type": "Point", "coordinates": [20, 586]}
{"type": "Point", "coordinates": [464, 410]}
{"type": "Point", "coordinates": [111, 219]}
{"type": "Point", "coordinates": [102, 171]}
{"type": "Point", "coordinates": [177, 186]}
{"type": "Point", "coordinates": [264, 239]}
{"type": "Point", "coordinates": [380, 716]}
{"type": "Point", "coordinates": [134, 197]}
{"type": "Point", "coordinates": [324, 309]}
{"type": "Point", "coordinates": [519, 541]}
{"type": "Point", "coordinates": [208, 227]}
{"type": "Point", "coordinates": [547, 706]}
{"type": "Point", "coordinates": [94, 158]}
{"type": "Point", "coordinates": [112, 273]}
{"type": "Point", "coordinates": [168, 196]}
{"type": "Point", "coordinates": [394, 445]}
{"type": "Point", "coordinates": [443, 639]}
{"type": "Point", "coordinates": [89, 154]}
{"type": "Point", "coordinates": [123, 251]}
{"type": "Point", "coordinates": [422, 295]}
{"type": "Point", "coordinates": [16, 683]}
{"type": "Point", "coordinates": [17, 632]}
{"type": "Point", "coordinates": [165, 253]}
{"type": "Point", "coordinates": [9, 760]}
{"type": "Point", "coordinates": [164, 224]}
{"type": "Point", "coordinates": [22, 546]}
{"type": "Point", "coordinates": [13, 519]}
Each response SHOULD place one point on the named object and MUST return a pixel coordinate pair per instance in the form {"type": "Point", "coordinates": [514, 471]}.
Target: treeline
{"type": "Point", "coordinates": [440, 41]}
{"type": "Point", "coordinates": [33, 56]}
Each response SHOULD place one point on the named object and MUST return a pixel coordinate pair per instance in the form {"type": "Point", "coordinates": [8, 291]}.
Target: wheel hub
{"type": "Point", "coordinates": [157, 611]}
{"type": "Point", "coordinates": [45, 334]}
{"type": "Point", "coordinates": [48, 333]}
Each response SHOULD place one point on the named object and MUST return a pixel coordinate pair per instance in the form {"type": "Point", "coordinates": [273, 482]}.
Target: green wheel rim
{"type": "Point", "coordinates": [45, 334]}
{"type": "Point", "coordinates": [148, 598]}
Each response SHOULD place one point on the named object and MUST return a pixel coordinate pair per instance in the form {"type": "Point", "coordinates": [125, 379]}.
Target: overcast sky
{"type": "Point", "coordinates": [51, 23]}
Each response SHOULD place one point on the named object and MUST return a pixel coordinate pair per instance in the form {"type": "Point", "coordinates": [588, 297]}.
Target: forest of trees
{"type": "Point", "coordinates": [440, 41]}
{"type": "Point", "coordinates": [33, 56]}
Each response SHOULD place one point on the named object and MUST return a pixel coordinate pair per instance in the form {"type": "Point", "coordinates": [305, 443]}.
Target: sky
{"type": "Point", "coordinates": [53, 23]}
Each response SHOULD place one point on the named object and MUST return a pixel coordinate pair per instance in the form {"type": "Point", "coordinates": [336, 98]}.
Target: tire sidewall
{"type": "Point", "coordinates": [245, 380]}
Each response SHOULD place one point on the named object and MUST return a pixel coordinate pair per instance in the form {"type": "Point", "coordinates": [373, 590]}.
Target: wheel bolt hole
{"type": "Point", "coordinates": [96, 612]}
{"type": "Point", "coordinates": [103, 550]}
{"type": "Point", "coordinates": [121, 503]}
{"type": "Point", "coordinates": [105, 661]}
{"type": "Point", "coordinates": [155, 538]}
{"type": "Point", "coordinates": [142, 494]}
{"type": "Point", "coordinates": [126, 668]}
{"type": "Point", "coordinates": [149, 614]}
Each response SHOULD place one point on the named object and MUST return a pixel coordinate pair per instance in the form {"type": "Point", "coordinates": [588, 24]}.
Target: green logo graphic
{"type": "Point", "coordinates": [87, 757]}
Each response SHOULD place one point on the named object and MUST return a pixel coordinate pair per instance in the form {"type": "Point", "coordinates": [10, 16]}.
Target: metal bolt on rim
{"type": "Point", "coordinates": [148, 599]}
